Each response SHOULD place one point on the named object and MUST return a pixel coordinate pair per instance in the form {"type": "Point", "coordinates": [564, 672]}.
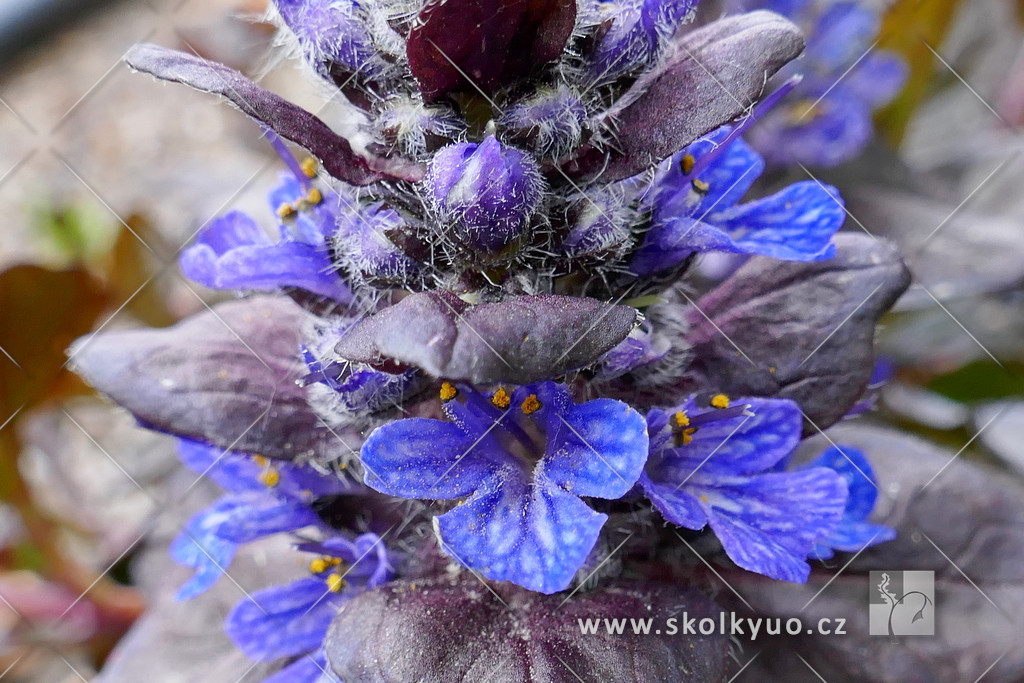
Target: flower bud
{"type": "Point", "coordinates": [636, 34]}
{"type": "Point", "coordinates": [363, 244]}
{"type": "Point", "coordinates": [550, 122]}
{"type": "Point", "coordinates": [600, 226]}
{"type": "Point", "coordinates": [484, 194]}
{"type": "Point", "coordinates": [334, 38]}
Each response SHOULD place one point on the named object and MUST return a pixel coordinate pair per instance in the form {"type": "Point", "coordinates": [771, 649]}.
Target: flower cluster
{"type": "Point", "coordinates": [496, 322]}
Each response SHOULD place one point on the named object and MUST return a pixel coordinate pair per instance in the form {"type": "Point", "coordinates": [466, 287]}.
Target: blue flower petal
{"type": "Point", "coordinates": [739, 445]}
{"type": "Point", "coordinates": [283, 621]}
{"type": "Point", "coordinates": [854, 531]}
{"type": "Point", "coordinates": [675, 503]}
{"type": "Point", "coordinates": [878, 78]}
{"type": "Point", "coordinates": [837, 130]}
{"type": "Point", "coordinates": [597, 448]}
{"type": "Point", "coordinates": [795, 224]}
{"type": "Point", "coordinates": [768, 523]}
{"type": "Point", "coordinates": [842, 34]}
{"type": "Point", "coordinates": [209, 540]}
{"type": "Point", "coordinates": [422, 458]}
{"type": "Point", "coordinates": [532, 533]}
{"type": "Point", "coordinates": [231, 471]}
{"type": "Point", "coordinates": [731, 175]}
{"type": "Point", "coordinates": [198, 547]}
{"type": "Point", "coordinates": [232, 253]}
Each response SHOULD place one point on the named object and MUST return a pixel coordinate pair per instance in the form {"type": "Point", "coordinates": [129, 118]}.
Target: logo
{"type": "Point", "coordinates": [902, 603]}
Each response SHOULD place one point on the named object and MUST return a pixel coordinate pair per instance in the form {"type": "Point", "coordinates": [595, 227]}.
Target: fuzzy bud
{"type": "Point", "coordinates": [365, 249]}
{"type": "Point", "coordinates": [484, 194]}
{"type": "Point", "coordinates": [600, 226]}
{"type": "Point", "coordinates": [334, 38]}
{"type": "Point", "coordinates": [550, 122]}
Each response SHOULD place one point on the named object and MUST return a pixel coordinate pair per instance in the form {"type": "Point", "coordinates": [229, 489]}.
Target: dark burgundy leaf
{"type": "Point", "coordinates": [457, 630]}
{"type": "Point", "coordinates": [712, 75]}
{"type": "Point", "coordinates": [283, 117]}
{"type": "Point", "coordinates": [521, 339]}
{"type": "Point", "coordinates": [963, 523]}
{"type": "Point", "coordinates": [803, 331]}
{"type": "Point", "coordinates": [226, 377]}
{"type": "Point", "coordinates": [492, 43]}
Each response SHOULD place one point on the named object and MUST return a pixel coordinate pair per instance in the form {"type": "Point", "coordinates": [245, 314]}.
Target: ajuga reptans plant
{"type": "Point", "coordinates": [472, 363]}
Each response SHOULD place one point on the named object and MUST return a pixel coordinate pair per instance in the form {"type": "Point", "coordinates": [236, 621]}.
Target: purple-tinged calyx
{"type": "Point", "coordinates": [483, 194]}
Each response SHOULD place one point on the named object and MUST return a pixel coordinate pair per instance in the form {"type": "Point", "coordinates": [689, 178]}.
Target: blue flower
{"type": "Point", "coordinates": [263, 498]}
{"type": "Point", "coordinates": [484, 193]}
{"type": "Point", "coordinates": [233, 252]}
{"type": "Point", "coordinates": [854, 532]}
{"type": "Point", "coordinates": [713, 468]}
{"type": "Point", "coordinates": [524, 459]}
{"type": "Point", "coordinates": [292, 620]}
{"type": "Point", "coordinates": [831, 119]}
{"type": "Point", "coordinates": [694, 208]}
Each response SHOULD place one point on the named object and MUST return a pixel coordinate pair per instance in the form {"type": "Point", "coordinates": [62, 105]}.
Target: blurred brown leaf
{"type": "Point", "coordinates": [41, 312]}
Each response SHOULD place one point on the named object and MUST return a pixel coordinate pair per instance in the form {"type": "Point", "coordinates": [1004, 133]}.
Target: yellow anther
{"type": "Point", "coordinates": [309, 167]}
{"type": "Point", "coordinates": [270, 477]}
{"type": "Point", "coordinates": [286, 211]}
{"type": "Point", "coordinates": [448, 391]}
{"type": "Point", "coordinates": [530, 404]}
{"type": "Point", "coordinates": [261, 460]}
{"type": "Point", "coordinates": [335, 561]}
{"type": "Point", "coordinates": [501, 398]}
{"type": "Point", "coordinates": [335, 583]}
{"type": "Point", "coordinates": [318, 565]}
{"type": "Point", "coordinates": [700, 185]}
{"type": "Point", "coordinates": [681, 419]}
{"type": "Point", "coordinates": [688, 163]}
{"type": "Point", "coordinates": [703, 498]}
{"type": "Point", "coordinates": [314, 196]}
{"type": "Point", "coordinates": [684, 437]}
{"type": "Point", "coordinates": [720, 401]}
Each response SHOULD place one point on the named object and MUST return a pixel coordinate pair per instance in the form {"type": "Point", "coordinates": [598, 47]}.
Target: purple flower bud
{"type": "Point", "coordinates": [637, 33]}
{"type": "Point", "coordinates": [550, 122]}
{"type": "Point", "coordinates": [484, 194]}
{"type": "Point", "coordinates": [334, 38]}
{"type": "Point", "coordinates": [600, 226]}
{"type": "Point", "coordinates": [364, 247]}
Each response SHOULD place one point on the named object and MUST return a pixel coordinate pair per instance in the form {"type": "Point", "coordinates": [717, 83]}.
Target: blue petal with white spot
{"type": "Point", "coordinates": [523, 458]}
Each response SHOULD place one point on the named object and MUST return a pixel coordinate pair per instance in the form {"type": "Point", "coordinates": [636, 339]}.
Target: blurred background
{"type": "Point", "coordinates": [105, 175]}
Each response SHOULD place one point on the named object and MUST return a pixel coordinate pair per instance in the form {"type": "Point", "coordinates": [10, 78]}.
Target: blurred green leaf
{"type": "Point", "coordinates": [981, 381]}
{"type": "Point", "coordinates": [41, 312]}
{"type": "Point", "coordinates": [74, 233]}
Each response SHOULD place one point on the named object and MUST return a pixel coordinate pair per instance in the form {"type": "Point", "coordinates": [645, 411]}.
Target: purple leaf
{"type": "Point", "coordinates": [713, 75]}
{"type": "Point", "coordinates": [283, 117]}
{"type": "Point", "coordinates": [952, 517]}
{"type": "Point", "coordinates": [458, 630]}
{"type": "Point", "coordinates": [803, 331]}
{"type": "Point", "coordinates": [225, 376]}
{"type": "Point", "coordinates": [456, 44]}
{"type": "Point", "coordinates": [519, 340]}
